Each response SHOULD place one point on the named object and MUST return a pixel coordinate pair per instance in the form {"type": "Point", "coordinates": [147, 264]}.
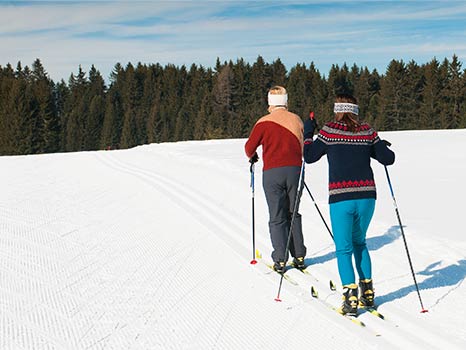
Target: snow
{"type": "Point", "coordinates": [149, 248]}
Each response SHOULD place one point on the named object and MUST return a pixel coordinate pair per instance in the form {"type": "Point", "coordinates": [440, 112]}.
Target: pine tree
{"type": "Point", "coordinates": [373, 110]}
{"type": "Point", "coordinates": [415, 82]}
{"type": "Point", "coordinates": [260, 83]}
{"type": "Point", "coordinates": [61, 94]}
{"type": "Point", "coordinates": [240, 93]}
{"type": "Point", "coordinates": [278, 73]}
{"type": "Point", "coordinates": [393, 102]}
{"type": "Point", "coordinates": [190, 97]}
{"type": "Point", "coordinates": [6, 77]}
{"type": "Point", "coordinates": [19, 73]}
{"type": "Point", "coordinates": [111, 128]}
{"type": "Point", "coordinates": [151, 93]}
{"type": "Point", "coordinates": [172, 86]}
{"type": "Point", "coordinates": [316, 92]}
{"type": "Point", "coordinates": [16, 118]}
{"type": "Point", "coordinates": [235, 123]}
{"type": "Point", "coordinates": [339, 81]}
{"type": "Point", "coordinates": [444, 109]}
{"type": "Point", "coordinates": [201, 129]}
{"type": "Point", "coordinates": [154, 123]}
{"type": "Point", "coordinates": [222, 101]}
{"type": "Point", "coordinates": [143, 92]}
{"type": "Point", "coordinates": [23, 134]}
{"type": "Point", "coordinates": [46, 129]}
{"type": "Point", "coordinates": [362, 90]}
{"type": "Point", "coordinates": [298, 91]}
{"type": "Point", "coordinates": [95, 96]}
{"type": "Point", "coordinates": [113, 118]}
{"type": "Point", "coordinates": [431, 96]}
{"type": "Point", "coordinates": [76, 110]}
{"type": "Point", "coordinates": [374, 80]}
{"type": "Point", "coordinates": [129, 93]}
{"type": "Point", "coordinates": [455, 93]}
{"type": "Point", "coordinates": [463, 105]}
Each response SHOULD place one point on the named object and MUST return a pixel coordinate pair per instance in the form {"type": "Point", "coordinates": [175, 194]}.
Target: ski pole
{"type": "Point", "coordinates": [253, 261]}
{"type": "Point", "coordinates": [293, 217]}
{"type": "Point", "coordinates": [404, 239]}
{"type": "Point", "coordinates": [318, 210]}
{"type": "Point", "coordinates": [311, 116]}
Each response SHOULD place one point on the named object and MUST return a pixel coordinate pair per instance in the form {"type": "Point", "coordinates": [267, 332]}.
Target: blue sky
{"type": "Point", "coordinates": [66, 34]}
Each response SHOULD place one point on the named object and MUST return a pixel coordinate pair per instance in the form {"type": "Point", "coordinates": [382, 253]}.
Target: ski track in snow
{"type": "Point", "coordinates": [120, 250]}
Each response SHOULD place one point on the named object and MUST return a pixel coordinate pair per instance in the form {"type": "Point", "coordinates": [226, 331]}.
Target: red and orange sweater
{"type": "Point", "coordinates": [280, 134]}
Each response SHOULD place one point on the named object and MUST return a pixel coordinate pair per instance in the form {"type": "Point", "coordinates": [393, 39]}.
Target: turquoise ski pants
{"type": "Point", "coordinates": [350, 221]}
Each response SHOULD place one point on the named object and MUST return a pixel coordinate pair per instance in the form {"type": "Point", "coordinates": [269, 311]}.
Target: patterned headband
{"type": "Point", "coordinates": [346, 108]}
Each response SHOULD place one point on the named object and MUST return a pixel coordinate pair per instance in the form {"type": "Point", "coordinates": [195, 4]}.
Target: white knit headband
{"type": "Point", "coordinates": [277, 100]}
{"type": "Point", "coordinates": [340, 107]}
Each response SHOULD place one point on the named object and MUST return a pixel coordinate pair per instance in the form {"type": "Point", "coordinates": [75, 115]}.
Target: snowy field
{"type": "Point", "coordinates": [149, 248]}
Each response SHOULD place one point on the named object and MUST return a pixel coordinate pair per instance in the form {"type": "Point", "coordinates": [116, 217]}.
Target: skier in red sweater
{"type": "Point", "coordinates": [280, 133]}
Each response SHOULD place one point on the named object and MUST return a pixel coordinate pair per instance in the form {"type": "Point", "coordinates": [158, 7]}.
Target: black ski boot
{"type": "Point", "coordinates": [299, 263]}
{"type": "Point", "coordinates": [366, 298]}
{"type": "Point", "coordinates": [350, 300]}
{"type": "Point", "coordinates": [279, 266]}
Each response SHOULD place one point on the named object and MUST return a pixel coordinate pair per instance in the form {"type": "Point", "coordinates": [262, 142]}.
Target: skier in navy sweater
{"type": "Point", "coordinates": [349, 146]}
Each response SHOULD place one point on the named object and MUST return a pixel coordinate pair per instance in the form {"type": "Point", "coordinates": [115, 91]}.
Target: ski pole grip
{"type": "Point", "coordinates": [311, 115]}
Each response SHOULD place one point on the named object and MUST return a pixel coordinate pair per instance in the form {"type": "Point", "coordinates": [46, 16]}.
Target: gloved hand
{"type": "Point", "coordinates": [254, 158]}
{"type": "Point", "coordinates": [310, 126]}
{"type": "Point", "coordinates": [386, 142]}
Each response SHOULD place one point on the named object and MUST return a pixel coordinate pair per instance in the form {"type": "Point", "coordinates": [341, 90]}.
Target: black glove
{"type": "Point", "coordinates": [254, 158]}
{"type": "Point", "coordinates": [387, 143]}
{"type": "Point", "coordinates": [310, 125]}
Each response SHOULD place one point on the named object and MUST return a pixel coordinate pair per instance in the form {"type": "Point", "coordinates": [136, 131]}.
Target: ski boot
{"type": "Point", "coordinates": [299, 263]}
{"type": "Point", "coordinates": [279, 266]}
{"type": "Point", "coordinates": [350, 300]}
{"type": "Point", "coordinates": [366, 298]}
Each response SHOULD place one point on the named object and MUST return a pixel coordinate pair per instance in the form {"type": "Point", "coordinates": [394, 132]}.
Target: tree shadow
{"type": "Point", "coordinates": [450, 275]}
{"type": "Point", "coordinates": [373, 243]}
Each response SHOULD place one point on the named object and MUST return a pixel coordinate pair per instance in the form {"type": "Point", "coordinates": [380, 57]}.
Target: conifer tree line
{"type": "Point", "coordinates": [154, 103]}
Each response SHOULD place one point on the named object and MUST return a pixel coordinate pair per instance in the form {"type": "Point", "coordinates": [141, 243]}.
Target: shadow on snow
{"type": "Point", "coordinates": [373, 243]}
{"type": "Point", "coordinates": [451, 275]}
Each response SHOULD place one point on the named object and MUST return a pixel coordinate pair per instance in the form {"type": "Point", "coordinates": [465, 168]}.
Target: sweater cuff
{"type": "Point", "coordinates": [308, 141]}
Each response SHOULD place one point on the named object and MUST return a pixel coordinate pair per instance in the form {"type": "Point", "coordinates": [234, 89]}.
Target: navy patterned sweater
{"type": "Point", "coordinates": [349, 155]}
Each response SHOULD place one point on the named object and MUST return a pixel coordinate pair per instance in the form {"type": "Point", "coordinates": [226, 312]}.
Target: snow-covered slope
{"type": "Point", "coordinates": [149, 248]}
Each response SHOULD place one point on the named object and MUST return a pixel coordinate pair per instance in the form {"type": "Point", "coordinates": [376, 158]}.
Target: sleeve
{"type": "Point", "coordinates": [314, 150]}
{"type": "Point", "coordinates": [381, 152]}
{"type": "Point", "coordinates": [309, 127]}
{"type": "Point", "coordinates": [253, 141]}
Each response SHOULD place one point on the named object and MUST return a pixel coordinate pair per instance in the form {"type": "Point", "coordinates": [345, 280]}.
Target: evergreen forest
{"type": "Point", "coordinates": [151, 103]}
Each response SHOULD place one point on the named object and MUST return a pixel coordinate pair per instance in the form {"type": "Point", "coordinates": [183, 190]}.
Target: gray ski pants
{"type": "Point", "coordinates": [281, 188]}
